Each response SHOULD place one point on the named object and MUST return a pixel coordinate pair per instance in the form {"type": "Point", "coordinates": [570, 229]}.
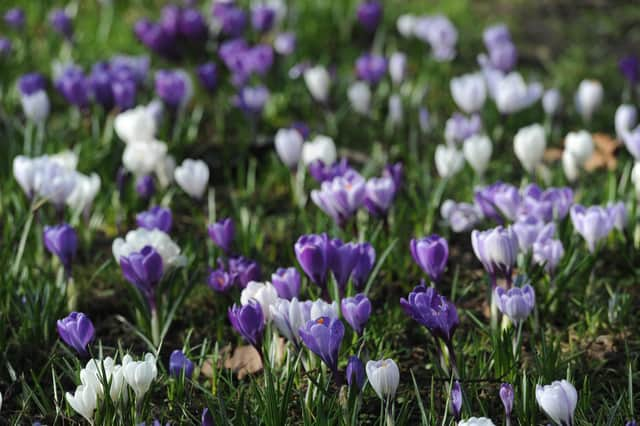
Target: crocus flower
{"type": "Point", "coordinates": [355, 373]}
{"type": "Point", "coordinates": [322, 172]}
{"type": "Point", "coordinates": [476, 421]}
{"type": "Point", "coordinates": [379, 195]}
{"type": "Point", "coordinates": [433, 311]}
{"type": "Point", "coordinates": [459, 128]}
{"type": "Point", "coordinates": [625, 119]}
{"type": "Point", "coordinates": [62, 241]}
{"type": "Point", "coordinates": [208, 75]}
{"type": "Point", "coordinates": [319, 148]}
{"type": "Point", "coordinates": [630, 68]}
{"type": "Point", "coordinates": [61, 22]}
{"type": "Point", "coordinates": [449, 161]}
{"type": "Point", "coordinates": [288, 145]}
{"type": "Point", "coordinates": [631, 141]}
{"type": "Point", "coordinates": [144, 270]}
{"type": "Point", "coordinates": [618, 213]}
{"type": "Point", "coordinates": [231, 18]}
{"type": "Point", "coordinates": [497, 250]}
{"type": "Point", "coordinates": [220, 280]}
{"type": "Point", "coordinates": [580, 145]}
{"type": "Point", "coordinates": [74, 86]}
{"type": "Point", "coordinates": [285, 43]}
{"type": "Point", "coordinates": [558, 400]}
{"type": "Point", "coordinates": [222, 233]}
{"type": "Point", "coordinates": [137, 239]}
{"type": "Point", "coordinates": [174, 87]}
{"type": "Point", "coordinates": [397, 67]}
{"type": "Point", "coordinates": [551, 102]}
{"type": "Point", "coordinates": [365, 259]}
{"type": "Point", "coordinates": [431, 254]}
{"type": "Point", "coordinates": [512, 93]}
{"type": "Point", "coordinates": [323, 337]}
{"type": "Point", "coordinates": [245, 270]}
{"type": "Point", "coordinates": [262, 18]}
{"type": "Point", "coordinates": [593, 223]}
{"type": "Point", "coordinates": [441, 35]}
{"type": "Point", "coordinates": [140, 374]}
{"type": "Point", "coordinates": [469, 92]}
{"type": "Point", "coordinates": [477, 151]}
{"type": "Point", "coordinates": [77, 331]}
{"type": "Point", "coordinates": [341, 197]}
{"type": "Point", "coordinates": [456, 400]}
{"type": "Point", "coordinates": [588, 98]}
{"type": "Point", "coordinates": [248, 321]}
{"type": "Point", "coordinates": [156, 217]}
{"type": "Point", "coordinates": [289, 316]}
{"type": "Point", "coordinates": [342, 259]}
{"type": "Point", "coordinates": [312, 252]}
{"type": "Point", "coordinates": [499, 197]}
{"type": "Point", "coordinates": [193, 177]}
{"type": "Point", "coordinates": [502, 52]}
{"type": "Point", "coordinates": [83, 401]}
{"type": "Point", "coordinates": [318, 82]}
{"type": "Point", "coordinates": [14, 18]}
{"type": "Point", "coordinates": [356, 311]}
{"type": "Point", "coordinates": [384, 377]}
{"type": "Point", "coordinates": [548, 252]}
{"type": "Point", "coordinates": [206, 418]}
{"type": "Point", "coordinates": [319, 308]}
{"type": "Point", "coordinates": [192, 25]}
{"type": "Point", "coordinates": [179, 363]}
{"type": "Point", "coordinates": [145, 186]}
{"type": "Point", "coordinates": [395, 115]}
{"type": "Point", "coordinates": [359, 95]}
{"type": "Point", "coordinates": [5, 46]}
{"type": "Point", "coordinates": [506, 396]}
{"type": "Point", "coordinates": [33, 96]}
{"type": "Point", "coordinates": [287, 282]}
{"type": "Point", "coordinates": [263, 293]}
{"type": "Point", "coordinates": [550, 204]}
{"type": "Point", "coordinates": [529, 229]}
{"type": "Point", "coordinates": [143, 158]}
{"type": "Point", "coordinates": [371, 68]}
{"type": "Point", "coordinates": [516, 303]}
{"type": "Point", "coordinates": [460, 216]}
{"type": "Point", "coordinates": [529, 145]}
{"type": "Point", "coordinates": [252, 100]}
{"type": "Point", "coordinates": [369, 14]}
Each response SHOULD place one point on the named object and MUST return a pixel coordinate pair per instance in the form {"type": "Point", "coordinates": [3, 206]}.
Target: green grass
{"type": "Point", "coordinates": [575, 332]}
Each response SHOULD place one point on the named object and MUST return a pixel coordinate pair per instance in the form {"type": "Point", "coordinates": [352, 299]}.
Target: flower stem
{"type": "Point", "coordinates": [155, 327]}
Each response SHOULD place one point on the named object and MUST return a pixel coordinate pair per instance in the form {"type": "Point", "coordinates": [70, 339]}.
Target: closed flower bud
{"type": "Point", "coordinates": [529, 145]}
{"type": "Point", "coordinates": [193, 177]}
{"type": "Point", "coordinates": [319, 148]}
{"type": "Point", "coordinates": [431, 254]}
{"type": "Point", "coordinates": [516, 303]}
{"type": "Point", "coordinates": [222, 233]}
{"type": "Point", "coordinates": [62, 241]}
{"type": "Point", "coordinates": [551, 102]}
{"type": "Point", "coordinates": [469, 92]}
{"type": "Point", "coordinates": [359, 95]}
{"type": "Point", "coordinates": [83, 401]}
{"type": "Point", "coordinates": [140, 374]}
{"type": "Point", "coordinates": [77, 331]}
{"type": "Point", "coordinates": [384, 377]}
{"type": "Point", "coordinates": [179, 363]}
{"type": "Point", "coordinates": [356, 311]}
{"type": "Point", "coordinates": [318, 81]}
{"type": "Point", "coordinates": [588, 98]}
{"type": "Point", "coordinates": [477, 151]}
{"type": "Point", "coordinates": [355, 373]}
{"type": "Point", "coordinates": [449, 161]}
{"type": "Point", "coordinates": [558, 400]}
{"type": "Point", "coordinates": [288, 144]}
{"type": "Point", "coordinates": [397, 67]}
{"type": "Point", "coordinates": [506, 396]}
{"type": "Point", "coordinates": [580, 145]}
{"type": "Point", "coordinates": [625, 119]}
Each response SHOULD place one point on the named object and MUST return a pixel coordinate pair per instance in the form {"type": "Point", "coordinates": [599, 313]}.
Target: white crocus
{"type": "Point", "coordinates": [137, 239]}
{"type": "Point", "coordinates": [406, 24]}
{"type": "Point", "coordinates": [54, 182]}
{"type": "Point", "coordinates": [142, 158]}
{"type": "Point", "coordinates": [477, 151]}
{"type": "Point", "coordinates": [318, 82]}
{"type": "Point", "coordinates": [588, 98]}
{"type": "Point", "coordinates": [83, 401]}
{"type": "Point", "coordinates": [469, 92]}
{"type": "Point", "coordinates": [140, 374]}
{"type": "Point", "coordinates": [25, 170]}
{"type": "Point", "coordinates": [193, 177]}
{"type": "Point", "coordinates": [580, 145]}
{"type": "Point", "coordinates": [288, 144]}
{"type": "Point", "coordinates": [570, 166]}
{"type": "Point", "coordinates": [289, 317]}
{"type": "Point", "coordinates": [263, 293]}
{"type": "Point", "coordinates": [136, 125]}
{"type": "Point", "coordinates": [529, 145]}
{"type": "Point", "coordinates": [66, 159]}
{"type": "Point", "coordinates": [558, 400]}
{"type": "Point", "coordinates": [449, 160]}
{"type": "Point", "coordinates": [84, 192]}
{"type": "Point", "coordinates": [397, 67]}
{"type": "Point", "coordinates": [476, 421]}
{"type": "Point", "coordinates": [551, 102]}
{"type": "Point", "coordinates": [36, 106]}
{"type": "Point", "coordinates": [513, 94]}
{"type": "Point", "coordinates": [319, 148]}
{"type": "Point", "coordinates": [320, 308]}
{"type": "Point", "coordinates": [625, 119]}
{"type": "Point", "coordinates": [359, 95]}
{"type": "Point", "coordinates": [384, 377]}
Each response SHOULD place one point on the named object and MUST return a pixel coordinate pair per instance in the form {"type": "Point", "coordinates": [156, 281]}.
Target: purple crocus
{"type": "Point", "coordinates": [124, 94]}
{"type": "Point", "coordinates": [285, 43]}
{"type": "Point", "coordinates": [379, 195]}
{"type": "Point", "coordinates": [74, 86]}
{"type": "Point", "coordinates": [208, 75]}
{"type": "Point", "coordinates": [287, 282]}
{"type": "Point", "coordinates": [593, 223]}
{"type": "Point", "coordinates": [145, 186]}
{"type": "Point", "coordinates": [371, 68]}
{"type": "Point", "coordinates": [431, 254]}
{"type": "Point", "coordinates": [550, 204]}
{"type": "Point", "coordinates": [529, 229]}
{"type": "Point", "coordinates": [342, 259]}
{"type": "Point", "coordinates": [459, 128]}
{"type": "Point", "coordinates": [231, 18]}
{"type": "Point", "coordinates": [192, 25]}
{"type": "Point", "coordinates": [206, 418]}
{"type": "Point", "coordinates": [179, 363]}
{"type": "Point", "coordinates": [248, 321]}
{"type": "Point", "coordinates": [456, 400]}
{"type": "Point", "coordinates": [341, 197]}
{"type": "Point", "coordinates": [220, 280]}
{"type": "Point", "coordinates": [244, 270]}
{"type": "Point", "coordinates": [77, 331]}
{"type": "Point", "coordinates": [426, 306]}
{"type": "Point", "coordinates": [355, 373]}
{"type": "Point", "coordinates": [156, 38]}
{"type": "Point", "coordinates": [222, 233]}
{"type": "Point", "coordinates": [15, 18]}
{"type": "Point", "coordinates": [365, 259]}
{"type": "Point", "coordinates": [503, 54]}
{"type": "Point", "coordinates": [61, 22]}
{"type": "Point", "coordinates": [173, 87]}
{"type": "Point", "coordinates": [506, 396]}
{"type": "Point", "coordinates": [62, 241]}
{"type": "Point", "coordinates": [516, 303]}
{"type": "Point", "coordinates": [370, 14]}
{"type": "Point", "coordinates": [326, 172]}
{"type": "Point", "coordinates": [499, 201]}
{"type": "Point", "coordinates": [251, 100]}
{"type": "Point", "coordinates": [618, 213]}
{"type": "Point", "coordinates": [144, 270]}
{"type": "Point", "coordinates": [31, 83]}
{"type": "Point", "coordinates": [356, 311]}
{"type": "Point", "coordinates": [323, 337]}
{"type": "Point", "coordinates": [155, 218]}
{"type": "Point", "coordinates": [630, 68]}
{"type": "Point", "coordinates": [548, 252]}
{"type": "Point", "coordinates": [312, 252]}
{"type": "Point", "coordinates": [497, 250]}
{"type": "Point", "coordinates": [262, 18]}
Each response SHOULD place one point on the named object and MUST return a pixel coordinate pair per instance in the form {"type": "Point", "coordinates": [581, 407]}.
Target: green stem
{"type": "Point", "coordinates": [155, 327]}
